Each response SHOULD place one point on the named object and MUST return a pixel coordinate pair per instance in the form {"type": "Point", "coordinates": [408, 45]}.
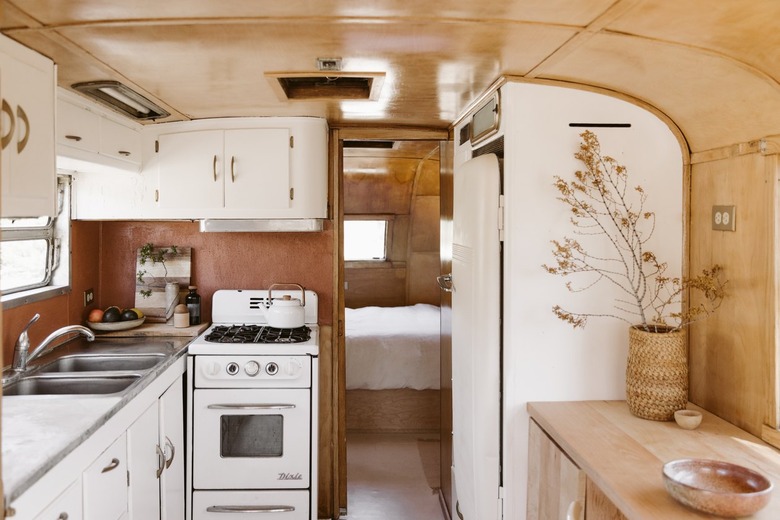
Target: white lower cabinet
{"type": "Point", "coordinates": [67, 506]}
{"type": "Point", "coordinates": [105, 483]}
{"type": "Point", "coordinates": [156, 459]}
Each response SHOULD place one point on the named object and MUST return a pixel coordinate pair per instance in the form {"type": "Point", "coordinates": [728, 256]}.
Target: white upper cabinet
{"type": "Point", "coordinates": [27, 88]}
{"type": "Point", "coordinates": [252, 168]}
{"type": "Point", "coordinates": [91, 139]}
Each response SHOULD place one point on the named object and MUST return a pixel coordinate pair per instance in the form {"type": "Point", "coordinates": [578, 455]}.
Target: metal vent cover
{"type": "Point", "coordinates": [323, 85]}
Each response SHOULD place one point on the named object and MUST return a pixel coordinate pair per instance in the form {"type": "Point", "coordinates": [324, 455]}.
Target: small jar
{"type": "Point", "coordinates": [193, 305]}
{"type": "Point", "coordinates": [181, 316]}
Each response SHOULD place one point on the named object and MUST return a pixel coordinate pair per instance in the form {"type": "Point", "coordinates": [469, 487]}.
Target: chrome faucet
{"type": "Point", "coordinates": [22, 356]}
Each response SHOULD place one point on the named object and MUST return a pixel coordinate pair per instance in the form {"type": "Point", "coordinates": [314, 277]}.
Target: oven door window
{"type": "Point", "coordinates": [252, 436]}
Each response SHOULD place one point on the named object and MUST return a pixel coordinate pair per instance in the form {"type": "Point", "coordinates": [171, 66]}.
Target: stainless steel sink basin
{"type": "Point", "coordinates": [71, 385]}
{"type": "Point", "coordinates": [103, 362]}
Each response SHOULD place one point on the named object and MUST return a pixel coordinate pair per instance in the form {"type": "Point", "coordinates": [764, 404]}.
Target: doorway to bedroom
{"type": "Point", "coordinates": [391, 214]}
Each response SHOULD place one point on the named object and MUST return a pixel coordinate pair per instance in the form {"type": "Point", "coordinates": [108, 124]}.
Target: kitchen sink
{"type": "Point", "coordinates": [103, 363]}
{"type": "Point", "coordinates": [55, 384]}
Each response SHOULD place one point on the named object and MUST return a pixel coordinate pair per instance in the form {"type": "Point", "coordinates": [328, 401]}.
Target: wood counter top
{"type": "Point", "coordinates": [155, 329]}
{"type": "Point", "coordinates": [624, 455]}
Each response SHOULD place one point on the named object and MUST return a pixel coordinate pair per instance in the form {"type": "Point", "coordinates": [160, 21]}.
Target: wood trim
{"type": "Point", "coordinates": [401, 410]}
{"type": "Point", "coordinates": [340, 367]}
{"type": "Point", "coordinates": [395, 133]}
{"type": "Point", "coordinates": [772, 414]}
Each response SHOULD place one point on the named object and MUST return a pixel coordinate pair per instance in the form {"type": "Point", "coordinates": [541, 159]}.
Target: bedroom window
{"type": "Point", "coordinates": [365, 239]}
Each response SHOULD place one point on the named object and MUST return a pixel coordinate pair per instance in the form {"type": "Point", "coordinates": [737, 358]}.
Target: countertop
{"type": "Point", "coordinates": [624, 455]}
{"type": "Point", "coordinates": [155, 330]}
{"type": "Point", "coordinates": [40, 431]}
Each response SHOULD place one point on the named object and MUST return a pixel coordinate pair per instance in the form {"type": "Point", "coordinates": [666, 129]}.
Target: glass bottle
{"type": "Point", "coordinates": [193, 305]}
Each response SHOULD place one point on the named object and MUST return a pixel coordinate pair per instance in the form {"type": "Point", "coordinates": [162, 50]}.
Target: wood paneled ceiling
{"type": "Point", "coordinates": [712, 66]}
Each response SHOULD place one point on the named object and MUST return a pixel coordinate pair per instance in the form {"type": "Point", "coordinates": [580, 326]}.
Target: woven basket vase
{"type": "Point", "coordinates": [656, 374]}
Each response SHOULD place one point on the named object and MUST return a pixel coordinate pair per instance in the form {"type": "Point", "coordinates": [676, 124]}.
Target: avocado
{"type": "Point", "coordinates": [112, 314]}
{"type": "Point", "coordinates": [128, 314]}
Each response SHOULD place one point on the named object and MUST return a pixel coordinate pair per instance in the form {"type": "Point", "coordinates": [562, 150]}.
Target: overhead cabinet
{"type": "Point", "coordinates": [234, 169]}
{"type": "Point", "coordinates": [89, 140]}
{"type": "Point", "coordinates": [27, 89]}
{"type": "Point", "coordinates": [255, 168]}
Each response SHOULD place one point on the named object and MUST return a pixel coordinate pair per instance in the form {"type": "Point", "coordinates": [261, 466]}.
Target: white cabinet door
{"type": "Point", "coordinates": [191, 171]}
{"type": "Point", "coordinates": [77, 127]}
{"type": "Point", "coordinates": [29, 182]}
{"type": "Point", "coordinates": [105, 483]}
{"type": "Point", "coordinates": [257, 168]}
{"type": "Point", "coordinates": [67, 506]}
{"type": "Point", "coordinates": [171, 417]}
{"type": "Point", "coordinates": [119, 141]}
{"type": "Point", "coordinates": [144, 462]}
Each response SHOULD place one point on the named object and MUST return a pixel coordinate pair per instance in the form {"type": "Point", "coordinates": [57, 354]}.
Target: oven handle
{"type": "Point", "coordinates": [250, 509]}
{"type": "Point", "coordinates": [250, 406]}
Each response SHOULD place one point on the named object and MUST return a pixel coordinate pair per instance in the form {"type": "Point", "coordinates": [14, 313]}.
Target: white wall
{"type": "Point", "coordinates": [545, 359]}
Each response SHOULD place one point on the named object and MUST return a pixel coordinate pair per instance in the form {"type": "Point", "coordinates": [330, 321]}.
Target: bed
{"type": "Point", "coordinates": [392, 364]}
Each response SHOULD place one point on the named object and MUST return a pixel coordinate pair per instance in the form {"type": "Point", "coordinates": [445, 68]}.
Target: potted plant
{"type": "Point", "coordinates": [603, 204]}
{"type": "Point", "coordinates": [151, 255]}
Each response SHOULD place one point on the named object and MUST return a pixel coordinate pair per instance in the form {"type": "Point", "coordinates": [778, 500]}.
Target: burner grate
{"type": "Point", "coordinates": [257, 334]}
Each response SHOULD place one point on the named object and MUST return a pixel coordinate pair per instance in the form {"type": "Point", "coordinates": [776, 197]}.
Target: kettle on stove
{"type": "Point", "coordinates": [285, 312]}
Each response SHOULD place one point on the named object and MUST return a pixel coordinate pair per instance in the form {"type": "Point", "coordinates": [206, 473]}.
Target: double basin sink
{"type": "Point", "coordinates": [85, 373]}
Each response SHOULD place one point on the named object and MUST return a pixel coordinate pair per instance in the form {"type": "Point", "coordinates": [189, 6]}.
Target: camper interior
{"type": "Point", "coordinates": [381, 175]}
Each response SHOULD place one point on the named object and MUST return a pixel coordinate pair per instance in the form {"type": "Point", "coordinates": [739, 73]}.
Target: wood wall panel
{"type": "Point", "coordinates": [376, 286]}
{"type": "Point", "coordinates": [396, 411]}
{"type": "Point", "coordinates": [731, 352]}
{"type": "Point", "coordinates": [423, 268]}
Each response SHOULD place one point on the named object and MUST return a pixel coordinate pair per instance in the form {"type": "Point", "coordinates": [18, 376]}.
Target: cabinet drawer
{"type": "Point", "coordinates": [119, 141]}
{"type": "Point", "coordinates": [250, 505]}
{"type": "Point", "coordinates": [77, 127]}
{"type": "Point", "coordinates": [105, 483]}
{"type": "Point", "coordinates": [67, 506]}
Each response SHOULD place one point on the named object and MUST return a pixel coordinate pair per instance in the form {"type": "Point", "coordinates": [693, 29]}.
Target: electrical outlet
{"type": "Point", "coordinates": [89, 297]}
{"type": "Point", "coordinates": [724, 218]}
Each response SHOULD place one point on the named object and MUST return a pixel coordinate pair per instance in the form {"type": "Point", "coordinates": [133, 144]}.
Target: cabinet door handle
{"type": "Point", "coordinates": [214, 168]}
{"type": "Point", "coordinates": [124, 153]}
{"type": "Point", "coordinates": [63, 516]}
{"type": "Point", "coordinates": [22, 116]}
{"type": "Point", "coordinates": [574, 511]}
{"type": "Point", "coordinates": [250, 509]}
{"type": "Point", "coordinates": [76, 138]}
{"type": "Point", "coordinates": [113, 464]}
{"type": "Point", "coordinates": [160, 461]}
{"type": "Point", "coordinates": [169, 444]}
{"type": "Point", "coordinates": [6, 139]}
{"type": "Point", "coordinates": [233, 168]}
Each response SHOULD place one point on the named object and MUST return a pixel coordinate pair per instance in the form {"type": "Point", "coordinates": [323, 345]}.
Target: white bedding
{"type": "Point", "coordinates": [393, 347]}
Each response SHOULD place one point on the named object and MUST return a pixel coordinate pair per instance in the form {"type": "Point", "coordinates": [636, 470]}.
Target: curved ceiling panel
{"type": "Point", "coordinates": [716, 101]}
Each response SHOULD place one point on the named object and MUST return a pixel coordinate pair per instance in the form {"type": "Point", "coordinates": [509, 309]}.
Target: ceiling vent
{"type": "Point", "coordinates": [322, 85]}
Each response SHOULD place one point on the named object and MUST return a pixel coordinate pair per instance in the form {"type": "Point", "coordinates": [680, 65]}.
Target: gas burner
{"type": "Point", "coordinates": [257, 334]}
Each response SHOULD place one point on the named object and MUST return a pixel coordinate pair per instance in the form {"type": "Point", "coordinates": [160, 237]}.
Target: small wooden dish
{"type": "Point", "coordinates": [687, 419]}
{"type": "Point", "coordinates": [716, 487]}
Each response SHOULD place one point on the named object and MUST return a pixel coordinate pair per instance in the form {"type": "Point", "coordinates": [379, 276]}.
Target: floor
{"type": "Point", "coordinates": [393, 477]}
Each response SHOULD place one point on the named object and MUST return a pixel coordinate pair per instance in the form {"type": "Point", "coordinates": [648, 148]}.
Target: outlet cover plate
{"type": "Point", "coordinates": [724, 218]}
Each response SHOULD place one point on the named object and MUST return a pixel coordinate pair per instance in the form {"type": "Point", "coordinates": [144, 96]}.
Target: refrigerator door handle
{"type": "Point", "coordinates": [445, 282]}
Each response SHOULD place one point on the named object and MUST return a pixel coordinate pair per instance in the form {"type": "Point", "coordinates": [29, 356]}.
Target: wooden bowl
{"type": "Point", "coordinates": [687, 419]}
{"type": "Point", "coordinates": [716, 487]}
{"type": "Point", "coordinates": [116, 325]}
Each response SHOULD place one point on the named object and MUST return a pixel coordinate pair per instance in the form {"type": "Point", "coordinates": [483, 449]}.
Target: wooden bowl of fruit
{"type": "Point", "coordinates": [114, 318]}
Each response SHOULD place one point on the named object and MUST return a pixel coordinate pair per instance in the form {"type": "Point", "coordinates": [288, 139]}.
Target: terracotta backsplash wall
{"type": "Point", "coordinates": [103, 258]}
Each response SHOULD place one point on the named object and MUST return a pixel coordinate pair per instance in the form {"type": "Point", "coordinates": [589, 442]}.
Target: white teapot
{"type": "Point", "coordinates": [285, 312]}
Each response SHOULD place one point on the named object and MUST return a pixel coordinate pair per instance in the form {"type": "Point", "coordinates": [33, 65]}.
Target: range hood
{"type": "Point", "coordinates": [212, 225]}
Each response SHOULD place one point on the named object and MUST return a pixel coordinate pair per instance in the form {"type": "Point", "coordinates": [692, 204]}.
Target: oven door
{"type": "Point", "coordinates": [251, 438]}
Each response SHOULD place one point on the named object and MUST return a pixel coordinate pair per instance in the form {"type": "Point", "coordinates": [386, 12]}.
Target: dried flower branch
{"type": "Point", "coordinates": [602, 203]}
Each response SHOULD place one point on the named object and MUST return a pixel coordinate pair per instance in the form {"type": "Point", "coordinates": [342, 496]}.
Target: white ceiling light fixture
{"type": "Point", "coordinates": [121, 98]}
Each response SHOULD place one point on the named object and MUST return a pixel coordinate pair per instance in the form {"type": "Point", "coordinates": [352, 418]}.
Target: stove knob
{"type": "Point", "coordinates": [272, 368]}
{"type": "Point", "coordinates": [212, 369]}
{"type": "Point", "coordinates": [252, 368]}
{"type": "Point", "coordinates": [292, 367]}
{"type": "Point", "coordinates": [232, 368]}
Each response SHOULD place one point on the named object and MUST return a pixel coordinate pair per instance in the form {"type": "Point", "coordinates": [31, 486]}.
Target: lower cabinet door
{"type": "Point", "coordinates": [145, 463]}
{"type": "Point", "coordinates": [105, 483]}
{"type": "Point", "coordinates": [556, 486]}
{"type": "Point", "coordinates": [67, 506]}
{"type": "Point", "coordinates": [251, 505]}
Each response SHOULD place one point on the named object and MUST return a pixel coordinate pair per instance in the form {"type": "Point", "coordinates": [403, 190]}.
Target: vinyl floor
{"type": "Point", "coordinates": [393, 477]}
